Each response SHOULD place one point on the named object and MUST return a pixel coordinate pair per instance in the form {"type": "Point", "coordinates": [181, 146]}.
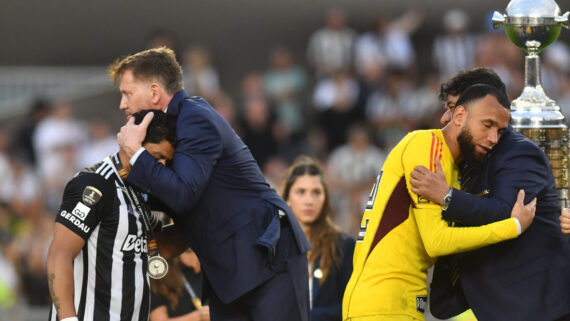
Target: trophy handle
{"type": "Point", "coordinates": [499, 19]}
{"type": "Point", "coordinates": [563, 19]}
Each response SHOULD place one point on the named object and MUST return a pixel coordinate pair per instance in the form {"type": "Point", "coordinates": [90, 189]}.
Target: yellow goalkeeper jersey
{"type": "Point", "coordinates": [401, 234]}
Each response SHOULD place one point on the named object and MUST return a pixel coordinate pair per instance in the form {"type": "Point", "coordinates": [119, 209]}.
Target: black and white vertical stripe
{"type": "Point", "coordinates": [111, 282]}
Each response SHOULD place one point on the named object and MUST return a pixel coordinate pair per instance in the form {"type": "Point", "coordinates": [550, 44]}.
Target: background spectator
{"type": "Point", "coordinates": [284, 84]}
{"type": "Point", "coordinates": [455, 49]}
{"type": "Point", "coordinates": [352, 169]}
{"type": "Point", "coordinates": [330, 48]}
{"type": "Point", "coordinates": [200, 77]}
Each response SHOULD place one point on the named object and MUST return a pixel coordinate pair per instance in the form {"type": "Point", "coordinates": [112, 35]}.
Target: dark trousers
{"type": "Point", "coordinates": [284, 297]}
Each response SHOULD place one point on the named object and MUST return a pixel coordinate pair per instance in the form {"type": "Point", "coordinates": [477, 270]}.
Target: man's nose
{"type": "Point", "coordinates": [123, 104]}
{"type": "Point", "coordinates": [445, 118]}
{"type": "Point", "coordinates": [493, 137]}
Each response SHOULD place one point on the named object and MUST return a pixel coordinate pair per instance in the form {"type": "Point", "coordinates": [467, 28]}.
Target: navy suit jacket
{"type": "Point", "coordinates": [327, 298]}
{"type": "Point", "coordinates": [525, 278]}
{"type": "Point", "coordinates": [222, 205]}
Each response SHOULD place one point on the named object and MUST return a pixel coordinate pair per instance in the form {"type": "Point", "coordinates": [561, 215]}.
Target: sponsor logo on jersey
{"type": "Point", "coordinates": [421, 301]}
{"type": "Point", "coordinates": [81, 211]}
{"type": "Point", "coordinates": [75, 221]}
{"type": "Point", "coordinates": [135, 243]}
{"type": "Point", "coordinates": [91, 195]}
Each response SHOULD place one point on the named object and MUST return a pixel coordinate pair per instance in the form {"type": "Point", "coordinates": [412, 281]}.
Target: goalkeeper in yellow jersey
{"type": "Point", "coordinates": [402, 233]}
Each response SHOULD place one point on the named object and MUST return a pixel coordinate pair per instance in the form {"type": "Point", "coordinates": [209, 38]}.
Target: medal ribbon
{"type": "Point", "coordinates": [134, 196]}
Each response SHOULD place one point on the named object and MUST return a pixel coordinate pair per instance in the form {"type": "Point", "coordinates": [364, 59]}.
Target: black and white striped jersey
{"type": "Point", "coordinates": [110, 272]}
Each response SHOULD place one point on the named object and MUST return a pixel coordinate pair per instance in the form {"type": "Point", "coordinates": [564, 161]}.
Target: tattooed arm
{"type": "Point", "coordinates": [63, 249]}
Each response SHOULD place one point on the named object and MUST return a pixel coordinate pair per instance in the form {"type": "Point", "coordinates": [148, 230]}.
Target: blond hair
{"type": "Point", "coordinates": [155, 65]}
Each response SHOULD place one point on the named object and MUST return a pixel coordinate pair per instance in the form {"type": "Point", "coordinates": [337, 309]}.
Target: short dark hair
{"type": "Point", "coordinates": [157, 64]}
{"type": "Point", "coordinates": [162, 127]}
{"type": "Point", "coordinates": [476, 92]}
{"type": "Point", "coordinates": [470, 77]}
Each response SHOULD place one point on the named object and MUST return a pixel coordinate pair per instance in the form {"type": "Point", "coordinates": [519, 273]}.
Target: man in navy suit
{"type": "Point", "coordinates": [252, 250]}
{"type": "Point", "coordinates": [523, 279]}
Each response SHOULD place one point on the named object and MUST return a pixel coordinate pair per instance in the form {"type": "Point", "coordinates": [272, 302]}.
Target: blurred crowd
{"type": "Point", "coordinates": [353, 96]}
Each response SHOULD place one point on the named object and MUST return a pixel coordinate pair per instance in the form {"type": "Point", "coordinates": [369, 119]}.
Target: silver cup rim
{"type": "Point", "coordinates": [530, 21]}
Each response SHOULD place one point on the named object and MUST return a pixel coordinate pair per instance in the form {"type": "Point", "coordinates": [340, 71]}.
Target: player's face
{"type": "Point", "coordinates": [306, 198]}
{"type": "Point", "coordinates": [163, 151]}
{"type": "Point", "coordinates": [486, 120]}
{"type": "Point", "coordinates": [136, 95]}
{"type": "Point", "coordinates": [449, 108]}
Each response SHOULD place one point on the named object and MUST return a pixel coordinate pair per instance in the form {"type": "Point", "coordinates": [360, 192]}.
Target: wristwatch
{"type": "Point", "coordinates": [447, 199]}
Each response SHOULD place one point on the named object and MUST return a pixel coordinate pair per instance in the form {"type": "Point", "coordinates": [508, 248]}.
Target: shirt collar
{"type": "Point", "coordinates": [173, 107]}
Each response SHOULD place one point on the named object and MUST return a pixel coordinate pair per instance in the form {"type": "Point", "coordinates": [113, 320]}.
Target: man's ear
{"type": "Point", "coordinates": [155, 91]}
{"type": "Point", "coordinates": [459, 115]}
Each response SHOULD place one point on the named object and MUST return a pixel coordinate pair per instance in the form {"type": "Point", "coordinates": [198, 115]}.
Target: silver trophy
{"type": "Point", "coordinates": [533, 25]}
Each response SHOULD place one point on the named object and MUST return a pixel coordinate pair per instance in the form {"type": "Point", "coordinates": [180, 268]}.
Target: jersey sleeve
{"type": "Point", "coordinates": [440, 239]}
{"type": "Point", "coordinates": [85, 203]}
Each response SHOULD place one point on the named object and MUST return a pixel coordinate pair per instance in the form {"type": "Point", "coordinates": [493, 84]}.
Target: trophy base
{"type": "Point", "coordinates": [554, 142]}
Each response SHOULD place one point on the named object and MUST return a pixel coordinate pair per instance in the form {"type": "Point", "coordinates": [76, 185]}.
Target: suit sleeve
{"type": "Point", "coordinates": [439, 239]}
{"type": "Point", "coordinates": [198, 148]}
{"type": "Point", "coordinates": [85, 203]}
{"type": "Point", "coordinates": [521, 168]}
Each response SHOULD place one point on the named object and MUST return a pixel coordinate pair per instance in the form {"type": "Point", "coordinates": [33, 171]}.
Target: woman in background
{"type": "Point", "coordinates": [330, 260]}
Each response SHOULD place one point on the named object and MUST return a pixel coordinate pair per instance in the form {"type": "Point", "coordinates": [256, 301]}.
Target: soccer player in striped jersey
{"type": "Point", "coordinates": [97, 261]}
{"type": "Point", "coordinates": [402, 233]}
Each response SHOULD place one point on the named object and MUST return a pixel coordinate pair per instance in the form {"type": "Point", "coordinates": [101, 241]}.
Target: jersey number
{"type": "Point", "coordinates": [373, 192]}
{"type": "Point", "coordinates": [369, 205]}
{"type": "Point", "coordinates": [362, 230]}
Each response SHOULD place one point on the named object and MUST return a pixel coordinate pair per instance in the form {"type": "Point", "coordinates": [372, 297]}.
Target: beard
{"type": "Point", "coordinates": [467, 148]}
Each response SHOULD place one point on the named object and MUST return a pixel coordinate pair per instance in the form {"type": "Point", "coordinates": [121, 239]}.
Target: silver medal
{"type": "Point", "coordinates": [157, 267]}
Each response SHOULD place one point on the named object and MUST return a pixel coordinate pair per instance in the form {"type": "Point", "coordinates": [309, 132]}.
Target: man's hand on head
{"type": "Point", "coordinates": [131, 136]}
{"type": "Point", "coordinates": [428, 184]}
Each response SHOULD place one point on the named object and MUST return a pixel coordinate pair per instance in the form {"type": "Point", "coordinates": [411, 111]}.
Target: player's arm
{"type": "Point", "coordinates": [438, 238]}
{"type": "Point", "coordinates": [85, 203]}
{"type": "Point", "coordinates": [521, 170]}
{"type": "Point", "coordinates": [465, 208]}
{"type": "Point", "coordinates": [524, 167]}
{"type": "Point", "coordinates": [63, 249]}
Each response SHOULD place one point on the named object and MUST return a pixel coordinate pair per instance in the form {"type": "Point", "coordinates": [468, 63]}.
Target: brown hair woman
{"type": "Point", "coordinates": [330, 260]}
